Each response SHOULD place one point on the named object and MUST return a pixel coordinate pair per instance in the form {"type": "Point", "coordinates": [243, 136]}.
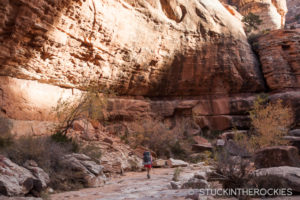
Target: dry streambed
{"type": "Point", "coordinates": [135, 185]}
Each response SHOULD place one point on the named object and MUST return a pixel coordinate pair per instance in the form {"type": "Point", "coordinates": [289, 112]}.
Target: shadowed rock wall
{"type": "Point", "coordinates": [175, 61]}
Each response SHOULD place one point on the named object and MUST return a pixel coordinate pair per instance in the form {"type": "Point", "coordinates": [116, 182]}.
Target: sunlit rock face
{"type": "Point", "coordinates": [191, 57]}
{"type": "Point", "coordinates": [153, 48]}
{"type": "Point", "coordinates": [271, 12]}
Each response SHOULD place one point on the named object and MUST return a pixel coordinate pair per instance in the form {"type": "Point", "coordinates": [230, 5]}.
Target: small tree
{"type": "Point", "coordinates": [90, 105]}
{"type": "Point", "coordinates": [251, 22]}
{"type": "Point", "coordinates": [271, 121]}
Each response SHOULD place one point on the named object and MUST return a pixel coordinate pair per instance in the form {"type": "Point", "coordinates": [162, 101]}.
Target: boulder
{"type": "Point", "coordinates": [281, 177]}
{"type": "Point", "coordinates": [201, 175]}
{"type": "Point", "coordinates": [175, 185]}
{"type": "Point", "coordinates": [277, 156]}
{"type": "Point", "coordinates": [201, 145]}
{"type": "Point", "coordinates": [176, 163]}
{"type": "Point", "coordinates": [42, 178]}
{"type": "Point", "coordinates": [14, 179]}
{"type": "Point", "coordinates": [235, 150]}
{"type": "Point", "coordinates": [159, 163]}
{"type": "Point", "coordinates": [86, 168]}
{"type": "Point", "coordinates": [195, 183]}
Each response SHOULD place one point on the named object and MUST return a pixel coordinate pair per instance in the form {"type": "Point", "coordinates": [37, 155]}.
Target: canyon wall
{"type": "Point", "coordinates": [271, 12]}
{"type": "Point", "coordinates": [293, 15]}
{"type": "Point", "coordinates": [180, 62]}
{"type": "Point", "coordinates": [150, 48]}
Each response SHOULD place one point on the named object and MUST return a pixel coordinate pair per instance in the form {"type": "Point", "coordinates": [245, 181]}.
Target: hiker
{"type": "Point", "coordinates": [147, 161]}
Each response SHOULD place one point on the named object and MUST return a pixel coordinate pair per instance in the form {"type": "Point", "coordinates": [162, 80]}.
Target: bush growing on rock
{"type": "Point", "coordinates": [48, 154]}
{"type": "Point", "coordinates": [90, 105]}
{"type": "Point", "coordinates": [233, 170]}
{"type": "Point", "coordinates": [251, 22]}
{"type": "Point", "coordinates": [270, 121]}
{"type": "Point", "coordinates": [176, 174]}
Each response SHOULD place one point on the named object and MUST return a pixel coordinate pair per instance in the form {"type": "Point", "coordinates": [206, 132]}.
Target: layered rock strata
{"type": "Point", "coordinates": [152, 48]}
{"type": "Point", "coordinates": [192, 59]}
{"type": "Point", "coordinates": [279, 56]}
{"type": "Point", "coordinates": [271, 12]}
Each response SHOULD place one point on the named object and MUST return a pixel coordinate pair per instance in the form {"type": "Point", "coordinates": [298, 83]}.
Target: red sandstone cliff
{"type": "Point", "coordinates": [191, 57]}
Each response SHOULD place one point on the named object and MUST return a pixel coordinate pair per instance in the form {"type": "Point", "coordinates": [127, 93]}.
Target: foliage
{"type": "Point", "coordinates": [63, 139]}
{"type": "Point", "coordinates": [48, 154]}
{"type": "Point", "coordinates": [251, 22]}
{"type": "Point", "coordinates": [176, 174]}
{"type": "Point", "coordinates": [178, 150]}
{"type": "Point", "coordinates": [271, 121]}
{"type": "Point", "coordinates": [90, 105]}
{"type": "Point", "coordinates": [233, 170]}
{"type": "Point", "coordinates": [151, 134]}
{"type": "Point", "coordinates": [155, 135]}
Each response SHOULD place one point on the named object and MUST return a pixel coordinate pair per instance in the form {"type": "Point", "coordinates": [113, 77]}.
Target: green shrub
{"type": "Point", "coordinates": [61, 138]}
{"type": "Point", "coordinates": [251, 22]}
{"type": "Point", "coordinates": [176, 174]}
{"type": "Point", "coordinates": [178, 151]}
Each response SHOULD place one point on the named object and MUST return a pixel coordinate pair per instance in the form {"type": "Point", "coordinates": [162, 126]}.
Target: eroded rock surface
{"type": "Point", "coordinates": [277, 156]}
{"type": "Point", "coordinates": [279, 54]}
{"type": "Point", "coordinates": [199, 47]}
{"type": "Point", "coordinates": [18, 181]}
{"type": "Point", "coordinates": [282, 177]}
{"type": "Point", "coordinates": [84, 168]}
{"type": "Point", "coordinates": [192, 58]}
{"type": "Point", "coordinates": [271, 12]}
{"type": "Point", "coordinates": [293, 15]}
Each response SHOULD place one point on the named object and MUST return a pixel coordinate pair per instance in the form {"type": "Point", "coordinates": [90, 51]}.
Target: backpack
{"type": "Point", "coordinates": [147, 157]}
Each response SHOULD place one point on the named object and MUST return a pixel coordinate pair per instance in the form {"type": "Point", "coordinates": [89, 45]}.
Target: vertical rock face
{"type": "Point", "coordinates": [293, 15]}
{"type": "Point", "coordinates": [279, 54]}
{"type": "Point", "coordinates": [271, 12]}
{"type": "Point", "coordinates": [191, 57]}
{"type": "Point", "coordinates": [153, 48]}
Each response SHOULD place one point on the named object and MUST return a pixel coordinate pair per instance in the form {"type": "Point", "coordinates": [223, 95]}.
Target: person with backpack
{"type": "Point", "coordinates": [147, 161]}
